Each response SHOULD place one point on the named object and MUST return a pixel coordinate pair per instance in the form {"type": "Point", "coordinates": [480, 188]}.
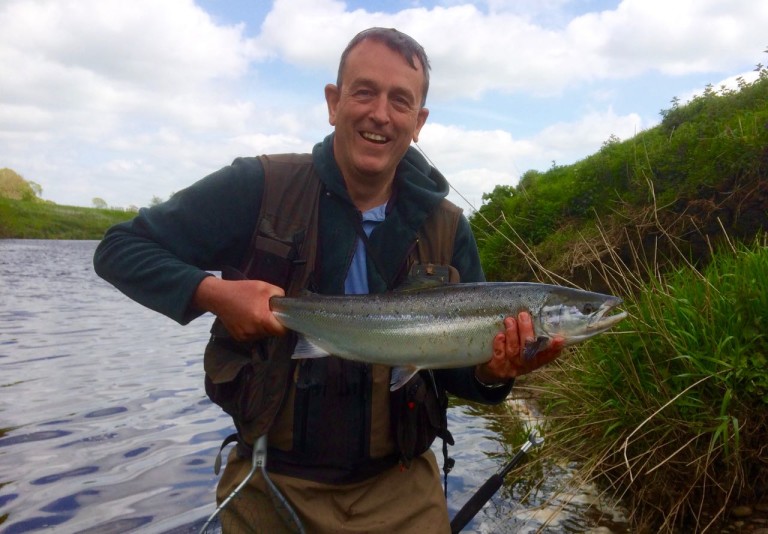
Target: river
{"type": "Point", "coordinates": [105, 426]}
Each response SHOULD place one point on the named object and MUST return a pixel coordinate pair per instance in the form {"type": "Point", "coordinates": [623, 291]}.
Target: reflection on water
{"type": "Point", "coordinates": [104, 422]}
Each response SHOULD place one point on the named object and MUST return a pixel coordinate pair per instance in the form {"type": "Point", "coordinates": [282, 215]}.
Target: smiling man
{"type": "Point", "coordinates": [356, 216]}
{"type": "Point", "coordinates": [377, 109]}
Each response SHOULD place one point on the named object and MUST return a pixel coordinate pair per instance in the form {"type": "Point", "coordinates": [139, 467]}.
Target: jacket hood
{"type": "Point", "coordinates": [416, 181]}
{"type": "Point", "coordinates": [417, 192]}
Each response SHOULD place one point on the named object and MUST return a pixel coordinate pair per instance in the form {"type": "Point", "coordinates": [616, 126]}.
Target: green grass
{"type": "Point", "coordinates": [670, 410]}
{"type": "Point", "coordinates": [41, 220]}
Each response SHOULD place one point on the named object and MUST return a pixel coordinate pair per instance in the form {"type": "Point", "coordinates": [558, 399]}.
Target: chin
{"type": "Point", "coordinates": [371, 169]}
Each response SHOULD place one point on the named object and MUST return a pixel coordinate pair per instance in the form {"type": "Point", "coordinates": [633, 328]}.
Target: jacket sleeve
{"type": "Point", "coordinates": [462, 382]}
{"type": "Point", "coordinates": [160, 257]}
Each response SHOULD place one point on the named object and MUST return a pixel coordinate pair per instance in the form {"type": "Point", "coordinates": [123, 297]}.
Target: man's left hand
{"type": "Point", "coordinates": [508, 359]}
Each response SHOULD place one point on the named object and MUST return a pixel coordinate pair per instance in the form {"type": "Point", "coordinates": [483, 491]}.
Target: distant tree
{"type": "Point", "coordinates": [13, 185]}
{"type": "Point", "coordinates": [99, 203]}
{"type": "Point", "coordinates": [499, 194]}
{"type": "Point", "coordinates": [36, 188]}
{"type": "Point", "coordinates": [155, 201]}
{"type": "Point", "coordinates": [612, 140]}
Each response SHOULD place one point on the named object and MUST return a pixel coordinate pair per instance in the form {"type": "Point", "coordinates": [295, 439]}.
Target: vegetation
{"type": "Point", "coordinates": [668, 412]}
{"type": "Point", "coordinates": [44, 220]}
{"type": "Point", "coordinates": [701, 170]}
{"type": "Point", "coordinates": [23, 214]}
{"type": "Point", "coordinates": [12, 185]}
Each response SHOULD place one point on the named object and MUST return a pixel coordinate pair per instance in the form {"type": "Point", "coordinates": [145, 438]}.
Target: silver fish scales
{"type": "Point", "coordinates": [439, 327]}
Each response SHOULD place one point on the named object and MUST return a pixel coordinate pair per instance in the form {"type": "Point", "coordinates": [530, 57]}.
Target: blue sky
{"type": "Point", "coordinates": [128, 100]}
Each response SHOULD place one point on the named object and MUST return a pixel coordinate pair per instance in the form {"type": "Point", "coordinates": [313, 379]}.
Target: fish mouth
{"type": "Point", "coordinates": [601, 321]}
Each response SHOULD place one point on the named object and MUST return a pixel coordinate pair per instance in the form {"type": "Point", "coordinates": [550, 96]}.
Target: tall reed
{"type": "Point", "coordinates": [670, 410]}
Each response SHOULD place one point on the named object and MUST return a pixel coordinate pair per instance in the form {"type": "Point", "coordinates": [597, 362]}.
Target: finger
{"type": "Point", "coordinates": [525, 327]}
{"type": "Point", "coordinates": [547, 356]}
{"type": "Point", "coordinates": [275, 327]}
{"type": "Point", "coordinates": [499, 342]}
{"type": "Point", "coordinates": [558, 343]}
{"type": "Point", "coordinates": [512, 338]}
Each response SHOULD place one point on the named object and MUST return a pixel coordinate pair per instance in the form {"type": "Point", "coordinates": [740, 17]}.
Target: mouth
{"type": "Point", "coordinates": [600, 320]}
{"type": "Point", "coordinates": [374, 138]}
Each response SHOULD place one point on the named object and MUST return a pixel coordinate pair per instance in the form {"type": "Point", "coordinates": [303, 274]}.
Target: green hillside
{"type": "Point", "coordinates": [669, 412]}
{"type": "Point", "coordinates": [670, 189]}
{"type": "Point", "coordinates": [28, 219]}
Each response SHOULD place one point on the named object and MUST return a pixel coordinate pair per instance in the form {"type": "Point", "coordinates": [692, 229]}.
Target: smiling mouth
{"type": "Point", "coordinates": [374, 138]}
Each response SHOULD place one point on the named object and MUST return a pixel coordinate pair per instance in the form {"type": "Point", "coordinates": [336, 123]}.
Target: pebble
{"type": "Point", "coordinates": [741, 511]}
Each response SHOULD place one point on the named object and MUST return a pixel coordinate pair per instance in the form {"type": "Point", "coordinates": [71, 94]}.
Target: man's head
{"type": "Point", "coordinates": [397, 41]}
{"type": "Point", "coordinates": [377, 107]}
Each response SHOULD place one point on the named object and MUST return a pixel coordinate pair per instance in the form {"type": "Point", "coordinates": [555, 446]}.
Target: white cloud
{"type": "Point", "coordinates": [102, 82]}
{"type": "Point", "coordinates": [476, 161]}
{"type": "Point", "coordinates": [94, 63]}
{"type": "Point", "coordinates": [565, 142]}
{"type": "Point", "coordinates": [506, 50]}
{"type": "Point", "coordinates": [125, 100]}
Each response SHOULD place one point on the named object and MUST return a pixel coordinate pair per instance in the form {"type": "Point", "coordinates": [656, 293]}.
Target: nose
{"type": "Point", "coordinates": [379, 111]}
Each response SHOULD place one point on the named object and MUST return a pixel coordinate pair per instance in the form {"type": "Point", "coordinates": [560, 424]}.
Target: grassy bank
{"type": "Point", "coordinates": [702, 170]}
{"type": "Point", "coordinates": [670, 411]}
{"type": "Point", "coordinates": [41, 220]}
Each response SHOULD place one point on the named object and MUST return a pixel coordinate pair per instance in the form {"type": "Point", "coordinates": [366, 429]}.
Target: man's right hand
{"type": "Point", "coordinates": [241, 305]}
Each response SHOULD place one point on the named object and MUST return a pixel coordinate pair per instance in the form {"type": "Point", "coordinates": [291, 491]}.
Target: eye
{"type": "Point", "coordinates": [401, 102]}
{"type": "Point", "coordinates": [588, 308]}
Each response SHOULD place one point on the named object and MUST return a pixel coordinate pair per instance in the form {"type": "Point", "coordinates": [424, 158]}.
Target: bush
{"type": "Point", "coordinates": [672, 408]}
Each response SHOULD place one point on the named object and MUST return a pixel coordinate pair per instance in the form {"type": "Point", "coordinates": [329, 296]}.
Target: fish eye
{"type": "Point", "coordinates": [588, 308]}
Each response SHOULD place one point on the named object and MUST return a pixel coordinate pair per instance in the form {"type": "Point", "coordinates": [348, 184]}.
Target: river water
{"type": "Point", "coordinates": [105, 426]}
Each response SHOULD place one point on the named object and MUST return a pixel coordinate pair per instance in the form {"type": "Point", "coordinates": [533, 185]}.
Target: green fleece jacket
{"type": "Point", "coordinates": [160, 257]}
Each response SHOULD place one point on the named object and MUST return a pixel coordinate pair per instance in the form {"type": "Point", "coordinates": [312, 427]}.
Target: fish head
{"type": "Point", "coordinates": [576, 315]}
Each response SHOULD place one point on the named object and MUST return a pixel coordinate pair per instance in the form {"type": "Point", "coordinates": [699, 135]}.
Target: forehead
{"type": "Point", "coordinates": [374, 60]}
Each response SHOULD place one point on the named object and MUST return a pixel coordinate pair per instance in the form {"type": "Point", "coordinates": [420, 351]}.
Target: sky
{"type": "Point", "coordinates": [126, 101]}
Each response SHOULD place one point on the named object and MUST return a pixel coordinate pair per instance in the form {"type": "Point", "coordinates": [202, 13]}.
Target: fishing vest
{"type": "Point", "coordinates": [261, 387]}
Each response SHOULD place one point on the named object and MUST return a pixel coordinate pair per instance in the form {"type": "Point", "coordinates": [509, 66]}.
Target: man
{"type": "Point", "coordinates": [336, 445]}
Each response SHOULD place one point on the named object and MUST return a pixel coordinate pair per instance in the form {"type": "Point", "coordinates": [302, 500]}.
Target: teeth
{"type": "Point", "coordinates": [374, 137]}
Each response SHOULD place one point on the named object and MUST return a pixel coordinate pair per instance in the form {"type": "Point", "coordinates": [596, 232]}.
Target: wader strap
{"type": "Point", "coordinates": [448, 464]}
{"type": "Point", "coordinates": [229, 439]}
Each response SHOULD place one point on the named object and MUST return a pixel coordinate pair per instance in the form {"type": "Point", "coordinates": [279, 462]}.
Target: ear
{"type": "Point", "coordinates": [332, 94]}
{"type": "Point", "coordinates": [420, 120]}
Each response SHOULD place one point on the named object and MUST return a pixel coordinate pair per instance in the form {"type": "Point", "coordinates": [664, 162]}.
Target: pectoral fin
{"type": "Point", "coordinates": [401, 376]}
{"type": "Point", "coordinates": [533, 347]}
{"type": "Point", "coordinates": [306, 349]}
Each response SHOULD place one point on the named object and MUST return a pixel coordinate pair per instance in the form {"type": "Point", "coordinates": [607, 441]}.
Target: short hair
{"type": "Point", "coordinates": [395, 40]}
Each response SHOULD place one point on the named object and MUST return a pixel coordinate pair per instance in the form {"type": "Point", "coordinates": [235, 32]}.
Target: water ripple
{"type": "Point", "coordinates": [33, 436]}
{"type": "Point", "coordinates": [106, 425]}
{"type": "Point", "coordinates": [80, 471]}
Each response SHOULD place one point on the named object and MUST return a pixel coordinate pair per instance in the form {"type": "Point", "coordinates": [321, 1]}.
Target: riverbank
{"type": "Point", "coordinates": [667, 411]}
{"type": "Point", "coordinates": [26, 219]}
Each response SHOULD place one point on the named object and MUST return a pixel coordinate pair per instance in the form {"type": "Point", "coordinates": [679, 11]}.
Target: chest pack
{"type": "Point", "coordinates": [250, 381]}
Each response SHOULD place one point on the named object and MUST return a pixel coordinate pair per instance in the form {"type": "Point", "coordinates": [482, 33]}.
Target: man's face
{"type": "Point", "coordinates": [376, 113]}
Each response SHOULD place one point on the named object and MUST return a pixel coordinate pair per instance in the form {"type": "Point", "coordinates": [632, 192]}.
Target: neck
{"type": "Point", "coordinates": [367, 195]}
